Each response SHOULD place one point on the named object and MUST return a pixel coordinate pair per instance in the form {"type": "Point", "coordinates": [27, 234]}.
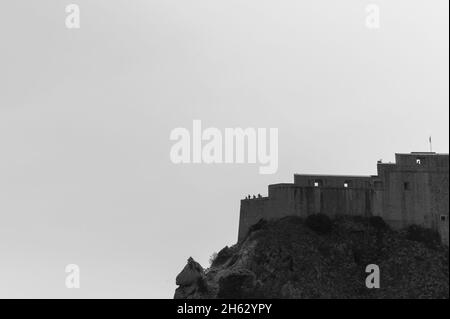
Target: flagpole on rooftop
{"type": "Point", "coordinates": [431, 144]}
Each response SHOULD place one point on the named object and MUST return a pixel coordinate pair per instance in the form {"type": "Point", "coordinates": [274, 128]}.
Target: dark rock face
{"type": "Point", "coordinates": [287, 259]}
{"type": "Point", "coordinates": [190, 280]}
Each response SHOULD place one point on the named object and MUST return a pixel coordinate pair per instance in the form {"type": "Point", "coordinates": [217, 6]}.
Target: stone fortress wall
{"type": "Point", "coordinates": [413, 190]}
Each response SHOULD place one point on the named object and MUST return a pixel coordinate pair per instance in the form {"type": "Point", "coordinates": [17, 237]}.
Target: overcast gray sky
{"type": "Point", "coordinates": [85, 118]}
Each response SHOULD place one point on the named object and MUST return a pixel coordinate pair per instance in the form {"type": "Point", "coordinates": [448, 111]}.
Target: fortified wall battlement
{"type": "Point", "coordinates": [413, 190]}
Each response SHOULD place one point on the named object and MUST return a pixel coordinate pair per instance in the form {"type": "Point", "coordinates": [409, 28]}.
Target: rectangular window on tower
{"type": "Point", "coordinates": [407, 186]}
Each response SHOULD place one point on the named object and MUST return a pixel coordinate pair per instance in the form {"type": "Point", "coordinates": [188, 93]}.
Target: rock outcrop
{"type": "Point", "coordinates": [291, 258]}
{"type": "Point", "coordinates": [190, 280]}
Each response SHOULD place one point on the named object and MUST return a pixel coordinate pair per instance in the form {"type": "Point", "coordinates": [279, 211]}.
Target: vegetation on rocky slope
{"type": "Point", "coordinates": [322, 258]}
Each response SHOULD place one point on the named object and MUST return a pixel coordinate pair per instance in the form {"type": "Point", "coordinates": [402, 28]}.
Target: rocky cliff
{"type": "Point", "coordinates": [319, 258]}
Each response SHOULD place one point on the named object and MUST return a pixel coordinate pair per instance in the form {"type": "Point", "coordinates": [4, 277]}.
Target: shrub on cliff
{"type": "Point", "coordinates": [212, 258]}
{"type": "Point", "coordinates": [220, 258]}
{"type": "Point", "coordinates": [320, 223]}
{"type": "Point", "coordinates": [378, 223]}
{"type": "Point", "coordinates": [429, 237]}
{"type": "Point", "coordinates": [261, 224]}
{"type": "Point", "coordinates": [236, 285]}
